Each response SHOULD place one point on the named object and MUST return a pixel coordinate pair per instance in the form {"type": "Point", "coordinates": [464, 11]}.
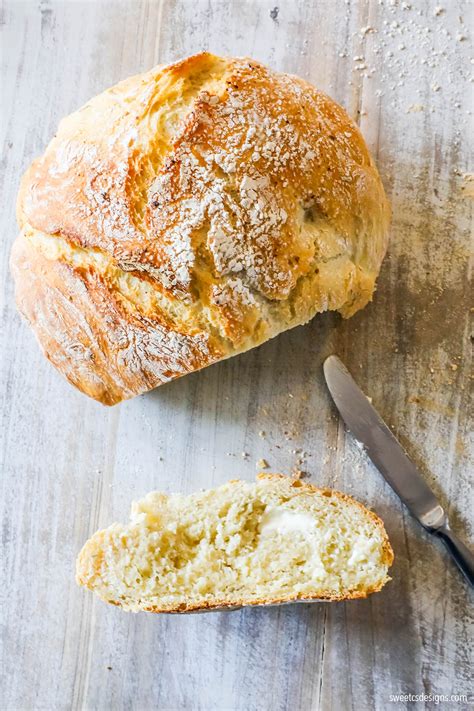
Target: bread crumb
{"type": "Point", "coordinates": [262, 464]}
{"type": "Point", "coordinates": [298, 474]}
{"type": "Point", "coordinates": [415, 108]}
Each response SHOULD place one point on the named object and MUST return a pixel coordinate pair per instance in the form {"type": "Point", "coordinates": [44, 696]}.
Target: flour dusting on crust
{"type": "Point", "coordinates": [211, 204]}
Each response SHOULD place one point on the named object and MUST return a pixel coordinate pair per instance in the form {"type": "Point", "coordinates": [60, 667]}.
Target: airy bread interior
{"type": "Point", "coordinates": [241, 544]}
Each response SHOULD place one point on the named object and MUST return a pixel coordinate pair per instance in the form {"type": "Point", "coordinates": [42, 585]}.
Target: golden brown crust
{"type": "Point", "coordinates": [242, 200]}
{"type": "Point", "coordinates": [86, 330]}
{"type": "Point", "coordinates": [93, 551]}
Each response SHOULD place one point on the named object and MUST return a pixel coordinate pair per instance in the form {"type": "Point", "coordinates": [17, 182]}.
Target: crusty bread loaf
{"type": "Point", "coordinates": [188, 214]}
{"type": "Point", "coordinates": [277, 540]}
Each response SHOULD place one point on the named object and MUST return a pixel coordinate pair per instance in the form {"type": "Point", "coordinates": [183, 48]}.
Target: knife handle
{"type": "Point", "coordinates": [461, 554]}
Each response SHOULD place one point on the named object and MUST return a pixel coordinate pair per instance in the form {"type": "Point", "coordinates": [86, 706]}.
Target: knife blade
{"type": "Point", "coordinates": [390, 458]}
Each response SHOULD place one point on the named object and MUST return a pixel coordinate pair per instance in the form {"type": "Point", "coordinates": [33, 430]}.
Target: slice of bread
{"type": "Point", "coordinates": [276, 540]}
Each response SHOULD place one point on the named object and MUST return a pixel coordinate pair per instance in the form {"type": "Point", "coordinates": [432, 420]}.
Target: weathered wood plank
{"type": "Point", "coordinates": [70, 466]}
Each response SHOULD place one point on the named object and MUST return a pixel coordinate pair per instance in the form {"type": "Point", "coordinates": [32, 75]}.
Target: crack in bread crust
{"type": "Point", "coordinates": [214, 198]}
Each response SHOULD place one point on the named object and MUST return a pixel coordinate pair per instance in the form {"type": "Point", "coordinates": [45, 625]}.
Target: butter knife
{"type": "Point", "coordinates": [388, 455]}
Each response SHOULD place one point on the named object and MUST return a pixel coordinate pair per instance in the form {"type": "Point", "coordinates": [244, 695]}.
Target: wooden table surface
{"type": "Point", "coordinates": [70, 465]}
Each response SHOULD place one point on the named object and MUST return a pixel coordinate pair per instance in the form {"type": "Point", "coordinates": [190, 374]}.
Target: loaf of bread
{"type": "Point", "coordinates": [191, 213]}
{"type": "Point", "coordinates": [277, 540]}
